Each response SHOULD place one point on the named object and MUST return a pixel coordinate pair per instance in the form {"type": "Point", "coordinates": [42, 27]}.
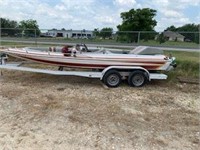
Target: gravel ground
{"type": "Point", "coordinates": [47, 112]}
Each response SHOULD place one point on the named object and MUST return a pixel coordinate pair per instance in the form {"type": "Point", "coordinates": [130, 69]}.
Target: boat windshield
{"type": "Point", "coordinates": [143, 50]}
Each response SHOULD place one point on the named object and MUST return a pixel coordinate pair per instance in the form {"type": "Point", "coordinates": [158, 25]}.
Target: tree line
{"type": "Point", "coordinates": [22, 28]}
{"type": "Point", "coordinates": [137, 24]}
{"type": "Point", "coordinates": [189, 31]}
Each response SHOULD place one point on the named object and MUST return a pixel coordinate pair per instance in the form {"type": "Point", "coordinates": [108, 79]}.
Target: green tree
{"type": "Point", "coordinates": [96, 32]}
{"type": "Point", "coordinates": [30, 27]}
{"type": "Point", "coordinates": [161, 38]}
{"type": "Point", "coordinates": [136, 20]}
{"type": "Point", "coordinates": [8, 27]}
{"type": "Point", "coordinates": [106, 33]}
{"type": "Point", "coordinates": [190, 31]}
{"type": "Point", "coordinates": [171, 28]}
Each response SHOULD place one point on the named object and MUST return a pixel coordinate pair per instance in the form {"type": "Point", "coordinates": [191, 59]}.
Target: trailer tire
{"type": "Point", "coordinates": [112, 78]}
{"type": "Point", "coordinates": [137, 78]}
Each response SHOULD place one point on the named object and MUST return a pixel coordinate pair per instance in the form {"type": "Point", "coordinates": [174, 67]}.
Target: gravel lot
{"type": "Point", "coordinates": [47, 112]}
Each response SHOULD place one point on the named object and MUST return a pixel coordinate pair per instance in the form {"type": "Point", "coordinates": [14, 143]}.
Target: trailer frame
{"type": "Point", "coordinates": [106, 75]}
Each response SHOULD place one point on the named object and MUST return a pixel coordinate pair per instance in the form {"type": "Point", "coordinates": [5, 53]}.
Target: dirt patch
{"type": "Point", "coordinates": [188, 80]}
{"type": "Point", "coordinates": [56, 112]}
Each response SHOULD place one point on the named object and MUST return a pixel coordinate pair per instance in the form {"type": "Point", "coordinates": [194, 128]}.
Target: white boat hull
{"type": "Point", "coordinates": [93, 60]}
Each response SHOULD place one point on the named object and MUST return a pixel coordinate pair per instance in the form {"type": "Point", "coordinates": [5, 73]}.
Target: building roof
{"type": "Point", "coordinates": [173, 34]}
{"type": "Point", "coordinates": [55, 30]}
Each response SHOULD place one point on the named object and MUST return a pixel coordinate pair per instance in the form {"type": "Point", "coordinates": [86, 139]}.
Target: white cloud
{"type": "Point", "coordinates": [166, 22]}
{"type": "Point", "coordinates": [171, 13]}
{"type": "Point", "coordinates": [161, 3]}
{"type": "Point", "coordinates": [189, 2]}
{"type": "Point", "coordinates": [181, 4]}
{"type": "Point", "coordinates": [3, 3]}
{"type": "Point", "coordinates": [105, 19]}
{"type": "Point", "coordinates": [126, 3]}
{"type": "Point", "coordinates": [60, 7]}
{"type": "Point", "coordinates": [90, 14]}
{"type": "Point", "coordinates": [175, 20]}
{"type": "Point", "coordinates": [77, 2]}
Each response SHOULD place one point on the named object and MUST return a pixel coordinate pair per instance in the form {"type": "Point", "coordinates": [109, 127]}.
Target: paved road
{"type": "Point", "coordinates": [116, 45]}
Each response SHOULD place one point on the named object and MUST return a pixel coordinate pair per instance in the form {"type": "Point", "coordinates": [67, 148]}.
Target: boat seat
{"type": "Point", "coordinates": [104, 51]}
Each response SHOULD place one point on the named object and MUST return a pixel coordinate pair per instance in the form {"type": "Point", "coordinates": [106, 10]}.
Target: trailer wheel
{"type": "Point", "coordinates": [112, 78]}
{"type": "Point", "coordinates": [137, 78]}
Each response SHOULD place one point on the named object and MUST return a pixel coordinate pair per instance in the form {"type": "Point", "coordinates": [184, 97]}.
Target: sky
{"type": "Point", "coordinates": [91, 14]}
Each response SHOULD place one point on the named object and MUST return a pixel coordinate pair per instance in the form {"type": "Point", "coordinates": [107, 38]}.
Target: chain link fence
{"type": "Point", "coordinates": [126, 38]}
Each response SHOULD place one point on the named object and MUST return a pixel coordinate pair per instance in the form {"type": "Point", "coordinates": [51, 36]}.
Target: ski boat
{"type": "Point", "coordinates": [138, 66]}
{"type": "Point", "coordinates": [145, 57]}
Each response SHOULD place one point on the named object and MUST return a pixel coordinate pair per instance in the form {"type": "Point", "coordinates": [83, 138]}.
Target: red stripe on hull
{"type": "Point", "coordinates": [90, 66]}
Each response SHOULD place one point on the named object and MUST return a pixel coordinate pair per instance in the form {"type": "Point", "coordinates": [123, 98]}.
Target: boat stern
{"type": "Point", "coordinates": [170, 64]}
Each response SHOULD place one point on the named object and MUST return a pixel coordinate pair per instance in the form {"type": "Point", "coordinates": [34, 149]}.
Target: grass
{"type": "Point", "coordinates": [15, 44]}
{"type": "Point", "coordinates": [21, 44]}
{"type": "Point", "coordinates": [142, 42]}
{"type": "Point", "coordinates": [112, 41]}
{"type": "Point", "coordinates": [188, 65]}
{"type": "Point", "coordinates": [170, 43]}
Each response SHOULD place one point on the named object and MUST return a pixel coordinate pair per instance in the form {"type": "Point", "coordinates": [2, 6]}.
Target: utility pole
{"type": "Point", "coordinates": [35, 38]}
{"type": "Point", "coordinates": [138, 41]}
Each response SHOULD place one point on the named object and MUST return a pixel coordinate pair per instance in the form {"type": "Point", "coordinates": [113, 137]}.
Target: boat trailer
{"type": "Point", "coordinates": [111, 76]}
